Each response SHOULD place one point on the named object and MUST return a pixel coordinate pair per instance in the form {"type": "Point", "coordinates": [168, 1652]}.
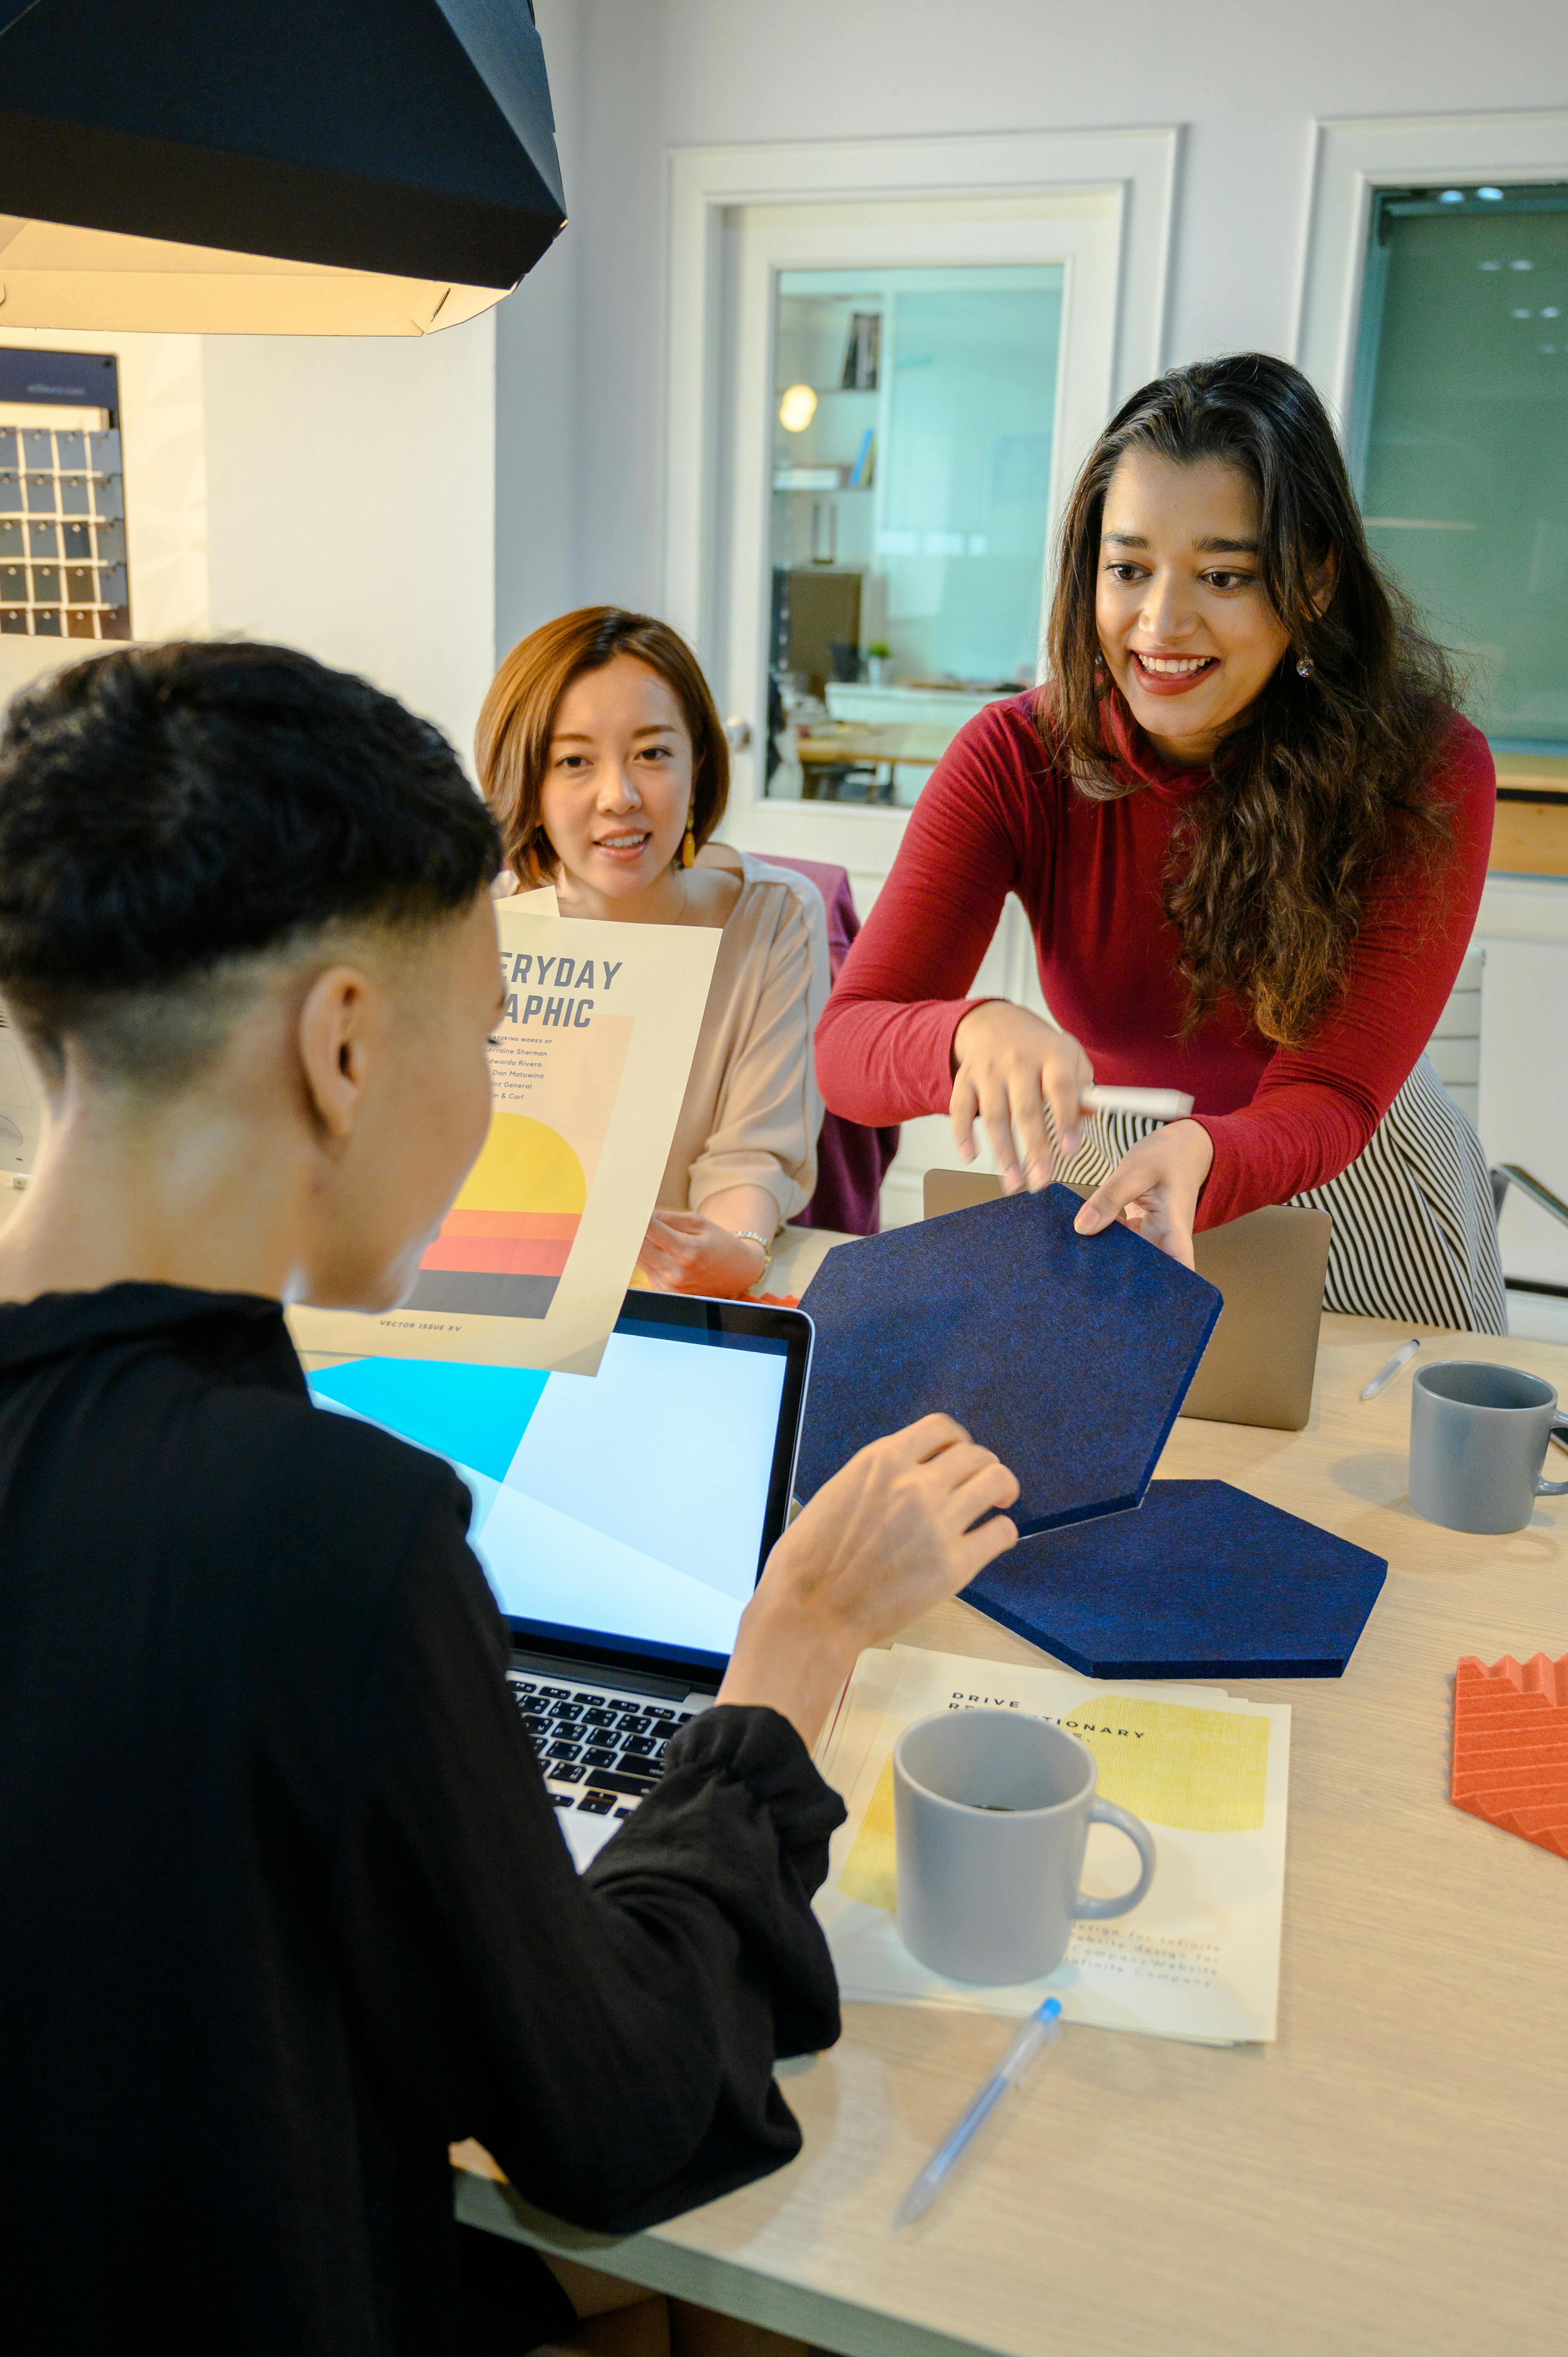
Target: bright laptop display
{"type": "Point", "coordinates": [624, 1516]}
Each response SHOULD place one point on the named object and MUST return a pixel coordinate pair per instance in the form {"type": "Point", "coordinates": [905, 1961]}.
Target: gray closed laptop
{"type": "Point", "coordinates": [1268, 1266]}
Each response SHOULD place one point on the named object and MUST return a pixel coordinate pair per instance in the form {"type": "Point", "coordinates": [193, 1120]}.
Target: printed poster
{"type": "Point", "coordinates": [588, 1066]}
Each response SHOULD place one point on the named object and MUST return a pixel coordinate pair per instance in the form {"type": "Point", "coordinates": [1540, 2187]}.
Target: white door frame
{"type": "Point", "coordinates": [1350, 161]}
{"type": "Point", "coordinates": [705, 182]}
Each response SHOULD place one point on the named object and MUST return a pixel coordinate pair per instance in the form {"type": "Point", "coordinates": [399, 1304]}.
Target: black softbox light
{"type": "Point", "coordinates": [373, 167]}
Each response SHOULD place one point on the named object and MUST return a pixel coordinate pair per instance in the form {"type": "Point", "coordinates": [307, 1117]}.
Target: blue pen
{"type": "Point", "coordinates": [1042, 2030]}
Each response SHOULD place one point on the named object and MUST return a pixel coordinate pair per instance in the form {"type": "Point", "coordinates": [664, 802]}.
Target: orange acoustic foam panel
{"type": "Point", "coordinates": [1510, 1746]}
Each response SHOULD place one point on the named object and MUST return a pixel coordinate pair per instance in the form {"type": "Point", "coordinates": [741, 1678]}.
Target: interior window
{"type": "Point", "coordinates": [1458, 434]}
{"type": "Point", "coordinates": [913, 432]}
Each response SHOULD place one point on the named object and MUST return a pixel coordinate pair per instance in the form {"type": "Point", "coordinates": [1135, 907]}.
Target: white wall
{"type": "Point", "coordinates": [334, 492]}
{"type": "Point", "coordinates": [1246, 77]}
{"type": "Point", "coordinates": [537, 369]}
{"type": "Point", "coordinates": [350, 492]}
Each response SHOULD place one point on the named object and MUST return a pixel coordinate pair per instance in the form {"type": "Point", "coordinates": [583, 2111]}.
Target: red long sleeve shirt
{"type": "Point", "coordinates": [998, 817]}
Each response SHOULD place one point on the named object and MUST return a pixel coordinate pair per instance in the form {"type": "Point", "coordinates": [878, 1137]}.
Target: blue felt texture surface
{"type": "Point", "coordinates": [1203, 1581]}
{"type": "Point", "coordinates": [1069, 1355]}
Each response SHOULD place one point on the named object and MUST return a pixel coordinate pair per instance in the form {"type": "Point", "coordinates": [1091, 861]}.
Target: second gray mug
{"type": "Point", "coordinates": [1478, 1442]}
{"type": "Point", "coordinates": [992, 1811]}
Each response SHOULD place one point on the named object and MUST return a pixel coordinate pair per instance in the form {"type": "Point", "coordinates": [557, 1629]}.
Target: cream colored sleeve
{"type": "Point", "coordinates": [768, 1110]}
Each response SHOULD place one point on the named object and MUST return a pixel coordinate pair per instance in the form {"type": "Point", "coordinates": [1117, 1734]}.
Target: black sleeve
{"type": "Point", "coordinates": [610, 2040]}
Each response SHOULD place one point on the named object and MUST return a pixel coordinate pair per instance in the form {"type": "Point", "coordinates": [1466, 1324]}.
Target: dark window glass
{"type": "Point", "coordinates": [1459, 435]}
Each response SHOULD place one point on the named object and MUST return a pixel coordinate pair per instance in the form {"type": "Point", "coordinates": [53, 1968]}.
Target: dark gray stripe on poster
{"type": "Point", "coordinates": [480, 1296]}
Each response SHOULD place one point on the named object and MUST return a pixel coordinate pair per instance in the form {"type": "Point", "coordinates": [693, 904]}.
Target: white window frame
{"type": "Point", "coordinates": [705, 182]}
{"type": "Point", "coordinates": [1350, 162]}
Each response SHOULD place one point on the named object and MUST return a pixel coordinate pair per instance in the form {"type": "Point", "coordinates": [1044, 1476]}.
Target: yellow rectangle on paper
{"type": "Point", "coordinates": [870, 1872]}
{"type": "Point", "coordinates": [1202, 1771]}
{"type": "Point", "coordinates": [1205, 1772]}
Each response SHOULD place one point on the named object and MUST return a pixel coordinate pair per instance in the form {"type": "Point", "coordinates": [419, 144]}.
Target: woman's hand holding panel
{"type": "Point", "coordinates": [1154, 1188]}
{"type": "Point", "coordinates": [1008, 1065]}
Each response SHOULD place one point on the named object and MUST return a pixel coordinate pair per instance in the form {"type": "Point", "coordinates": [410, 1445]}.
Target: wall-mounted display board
{"type": "Point", "coordinates": [62, 497]}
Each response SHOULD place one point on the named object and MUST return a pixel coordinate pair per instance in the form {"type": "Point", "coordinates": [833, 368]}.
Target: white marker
{"type": "Point", "coordinates": [1156, 1104]}
{"type": "Point", "coordinates": [1385, 1375]}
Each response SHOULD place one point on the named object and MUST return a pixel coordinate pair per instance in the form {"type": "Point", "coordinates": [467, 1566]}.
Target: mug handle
{"type": "Point", "coordinates": [1106, 1813]}
{"type": "Point", "coordinates": [1544, 1489]}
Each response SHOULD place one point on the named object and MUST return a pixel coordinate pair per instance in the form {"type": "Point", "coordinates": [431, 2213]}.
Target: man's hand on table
{"type": "Point", "coordinates": [900, 1528]}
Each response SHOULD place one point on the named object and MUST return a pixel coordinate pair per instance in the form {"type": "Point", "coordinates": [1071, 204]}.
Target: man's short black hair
{"type": "Point", "coordinates": [169, 812]}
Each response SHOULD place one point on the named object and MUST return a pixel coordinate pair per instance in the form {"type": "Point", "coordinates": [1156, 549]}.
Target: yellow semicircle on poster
{"type": "Point", "coordinates": [523, 1165]}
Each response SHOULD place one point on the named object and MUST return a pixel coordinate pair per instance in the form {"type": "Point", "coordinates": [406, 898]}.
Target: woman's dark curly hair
{"type": "Point", "coordinates": [1327, 777]}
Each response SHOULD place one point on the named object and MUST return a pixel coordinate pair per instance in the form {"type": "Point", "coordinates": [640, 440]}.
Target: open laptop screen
{"type": "Point", "coordinates": [623, 1517]}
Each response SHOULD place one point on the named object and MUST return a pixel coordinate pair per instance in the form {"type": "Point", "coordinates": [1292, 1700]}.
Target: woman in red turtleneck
{"type": "Point", "coordinates": [1249, 832]}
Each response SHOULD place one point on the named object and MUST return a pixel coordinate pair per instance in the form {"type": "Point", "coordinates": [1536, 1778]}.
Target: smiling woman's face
{"type": "Point", "coordinates": [1185, 628]}
{"type": "Point", "coordinates": [618, 784]}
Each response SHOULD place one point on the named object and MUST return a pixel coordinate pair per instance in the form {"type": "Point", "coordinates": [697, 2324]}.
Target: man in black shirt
{"type": "Point", "coordinates": [284, 1909]}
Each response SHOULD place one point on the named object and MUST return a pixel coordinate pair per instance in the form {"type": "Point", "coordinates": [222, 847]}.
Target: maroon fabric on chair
{"type": "Point", "coordinates": [852, 1161]}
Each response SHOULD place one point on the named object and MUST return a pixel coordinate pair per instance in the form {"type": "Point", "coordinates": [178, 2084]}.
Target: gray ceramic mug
{"type": "Point", "coordinates": [1478, 1442]}
{"type": "Point", "coordinates": [992, 1811]}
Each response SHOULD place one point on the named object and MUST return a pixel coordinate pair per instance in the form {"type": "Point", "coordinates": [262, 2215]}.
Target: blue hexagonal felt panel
{"type": "Point", "coordinates": [1203, 1581]}
{"type": "Point", "coordinates": [1069, 1355]}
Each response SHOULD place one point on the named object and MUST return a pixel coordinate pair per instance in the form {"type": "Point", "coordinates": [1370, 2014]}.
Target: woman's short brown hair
{"type": "Point", "coordinates": [511, 743]}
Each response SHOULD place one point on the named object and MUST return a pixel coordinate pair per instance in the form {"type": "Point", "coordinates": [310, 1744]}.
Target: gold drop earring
{"type": "Point", "coordinates": [689, 842]}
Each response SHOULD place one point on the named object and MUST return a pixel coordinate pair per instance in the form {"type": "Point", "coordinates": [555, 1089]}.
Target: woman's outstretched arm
{"type": "Point", "coordinates": [884, 1044]}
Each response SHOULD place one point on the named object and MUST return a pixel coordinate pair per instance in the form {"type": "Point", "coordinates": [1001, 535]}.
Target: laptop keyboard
{"type": "Point", "coordinates": [600, 1752]}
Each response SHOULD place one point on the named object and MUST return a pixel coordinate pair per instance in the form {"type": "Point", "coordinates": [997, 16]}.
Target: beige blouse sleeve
{"type": "Point", "coordinates": [766, 1111]}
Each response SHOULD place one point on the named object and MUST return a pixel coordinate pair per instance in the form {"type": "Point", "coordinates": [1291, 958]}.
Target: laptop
{"type": "Point", "coordinates": [1269, 1268]}
{"type": "Point", "coordinates": [622, 1519]}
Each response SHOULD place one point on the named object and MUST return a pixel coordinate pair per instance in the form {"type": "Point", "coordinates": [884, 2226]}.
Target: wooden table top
{"type": "Point", "coordinates": [1391, 2176]}
{"type": "Point", "coordinates": [921, 741]}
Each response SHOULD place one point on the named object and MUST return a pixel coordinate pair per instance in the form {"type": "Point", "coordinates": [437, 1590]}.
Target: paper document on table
{"type": "Point", "coordinates": [588, 1066]}
{"type": "Point", "coordinates": [1200, 1958]}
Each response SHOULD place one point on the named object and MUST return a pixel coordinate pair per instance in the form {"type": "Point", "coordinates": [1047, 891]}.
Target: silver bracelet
{"type": "Point", "coordinates": [750, 1236]}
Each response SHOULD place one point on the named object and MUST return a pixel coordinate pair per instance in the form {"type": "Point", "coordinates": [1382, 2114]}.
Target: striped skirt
{"type": "Point", "coordinates": [1415, 1237]}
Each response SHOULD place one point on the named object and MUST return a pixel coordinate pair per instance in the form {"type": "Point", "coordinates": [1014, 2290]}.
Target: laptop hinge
{"type": "Point", "coordinates": [600, 1674]}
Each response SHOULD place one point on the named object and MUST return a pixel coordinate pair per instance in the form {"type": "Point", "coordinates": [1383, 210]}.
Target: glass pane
{"type": "Point", "coordinates": [912, 433]}
{"type": "Point", "coordinates": [1462, 396]}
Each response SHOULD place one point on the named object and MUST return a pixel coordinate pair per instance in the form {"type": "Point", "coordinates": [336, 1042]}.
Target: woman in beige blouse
{"type": "Point", "coordinates": [601, 753]}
